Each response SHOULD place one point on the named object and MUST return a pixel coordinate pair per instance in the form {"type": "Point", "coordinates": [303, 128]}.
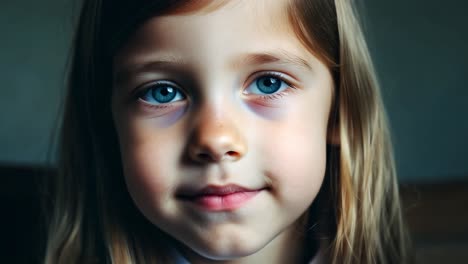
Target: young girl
{"type": "Point", "coordinates": [224, 132]}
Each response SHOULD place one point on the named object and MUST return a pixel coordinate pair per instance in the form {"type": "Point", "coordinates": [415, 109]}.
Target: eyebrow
{"type": "Point", "coordinates": [279, 56]}
{"type": "Point", "coordinates": [123, 73]}
{"type": "Point", "coordinates": [175, 62]}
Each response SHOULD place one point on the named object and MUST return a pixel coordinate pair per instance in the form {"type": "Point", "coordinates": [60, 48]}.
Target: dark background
{"type": "Point", "coordinates": [420, 50]}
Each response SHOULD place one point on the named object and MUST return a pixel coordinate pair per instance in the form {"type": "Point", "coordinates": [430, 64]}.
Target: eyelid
{"type": "Point", "coordinates": [138, 92]}
{"type": "Point", "coordinates": [282, 76]}
{"type": "Point", "coordinates": [143, 88]}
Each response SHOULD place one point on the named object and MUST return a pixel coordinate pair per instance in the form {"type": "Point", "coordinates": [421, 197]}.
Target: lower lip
{"type": "Point", "coordinates": [224, 202]}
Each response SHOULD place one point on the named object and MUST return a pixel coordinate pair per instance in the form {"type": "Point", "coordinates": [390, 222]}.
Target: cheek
{"type": "Point", "coordinates": [296, 157]}
{"type": "Point", "coordinates": [299, 156]}
{"type": "Point", "coordinates": [143, 169]}
{"type": "Point", "coordinates": [149, 164]}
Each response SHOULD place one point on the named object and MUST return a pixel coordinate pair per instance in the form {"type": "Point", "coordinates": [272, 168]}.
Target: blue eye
{"type": "Point", "coordinates": [161, 93]}
{"type": "Point", "coordinates": [267, 84]}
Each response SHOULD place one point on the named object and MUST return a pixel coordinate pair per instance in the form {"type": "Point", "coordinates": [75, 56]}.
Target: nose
{"type": "Point", "coordinates": [216, 137]}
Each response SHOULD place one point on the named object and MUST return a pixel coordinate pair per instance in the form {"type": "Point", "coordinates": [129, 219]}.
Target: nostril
{"type": "Point", "coordinates": [205, 157]}
{"type": "Point", "coordinates": [232, 154]}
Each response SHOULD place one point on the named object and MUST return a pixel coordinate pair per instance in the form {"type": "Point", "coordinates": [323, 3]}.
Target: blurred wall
{"type": "Point", "coordinates": [420, 49]}
{"type": "Point", "coordinates": [35, 40]}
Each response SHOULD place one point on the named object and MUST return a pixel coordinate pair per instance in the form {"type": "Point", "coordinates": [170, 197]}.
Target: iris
{"type": "Point", "coordinates": [161, 93]}
{"type": "Point", "coordinates": [164, 94]}
{"type": "Point", "coordinates": [268, 84]}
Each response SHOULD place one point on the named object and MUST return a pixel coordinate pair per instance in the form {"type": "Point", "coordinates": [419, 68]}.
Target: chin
{"type": "Point", "coordinates": [228, 254]}
{"type": "Point", "coordinates": [227, 250]}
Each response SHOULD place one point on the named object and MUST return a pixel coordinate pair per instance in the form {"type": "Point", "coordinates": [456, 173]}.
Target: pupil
{"type": "Point", "coordinates": [165, 91]}
{"type": "Point", "coordinates": [269, 81]}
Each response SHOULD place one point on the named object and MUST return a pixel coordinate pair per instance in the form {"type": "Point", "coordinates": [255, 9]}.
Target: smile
{"type": "Point", "coordinates": [220, 198]}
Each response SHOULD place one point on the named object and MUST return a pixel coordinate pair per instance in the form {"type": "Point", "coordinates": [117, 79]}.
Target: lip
{"type": "Point", "coordinates": [219, 198]}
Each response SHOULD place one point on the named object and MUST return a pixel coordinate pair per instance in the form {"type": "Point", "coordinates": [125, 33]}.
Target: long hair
{"type": "Point", "coordinates": [369, 226]}
{"type": "Point", "coordinates": [92, 216]}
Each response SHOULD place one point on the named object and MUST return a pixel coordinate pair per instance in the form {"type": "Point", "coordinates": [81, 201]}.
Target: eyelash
{"type": "Point", "coordinates": [140, 92]}
{"type": "Point", "coordinates": [277, 95]}
{"type": "Point", "coordinates": [266, 97]}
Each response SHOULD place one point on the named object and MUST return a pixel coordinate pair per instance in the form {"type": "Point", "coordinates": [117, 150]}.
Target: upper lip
{"type": "Point", "coordinates": [214, 190]}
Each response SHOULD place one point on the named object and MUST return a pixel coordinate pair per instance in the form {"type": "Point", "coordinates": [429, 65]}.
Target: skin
{"type": "Point", "coordinates": [222, 130]}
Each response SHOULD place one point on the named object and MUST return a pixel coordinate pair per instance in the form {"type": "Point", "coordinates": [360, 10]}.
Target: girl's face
{"type": "Point", "coordinates": [222, 122]}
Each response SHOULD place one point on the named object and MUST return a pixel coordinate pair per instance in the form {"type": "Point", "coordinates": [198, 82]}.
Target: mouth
{"type": "Point", "coordinates": [219, 198]}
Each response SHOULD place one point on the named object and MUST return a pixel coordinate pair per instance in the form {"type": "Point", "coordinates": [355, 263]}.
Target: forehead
{"type": "Point", "coordinates": [267, 11]}
{"type": "Point", "coordinates": [237, 25]}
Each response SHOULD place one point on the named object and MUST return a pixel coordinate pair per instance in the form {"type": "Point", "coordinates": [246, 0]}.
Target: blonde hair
{"type": "Point", "coordinates": [364, 224]}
